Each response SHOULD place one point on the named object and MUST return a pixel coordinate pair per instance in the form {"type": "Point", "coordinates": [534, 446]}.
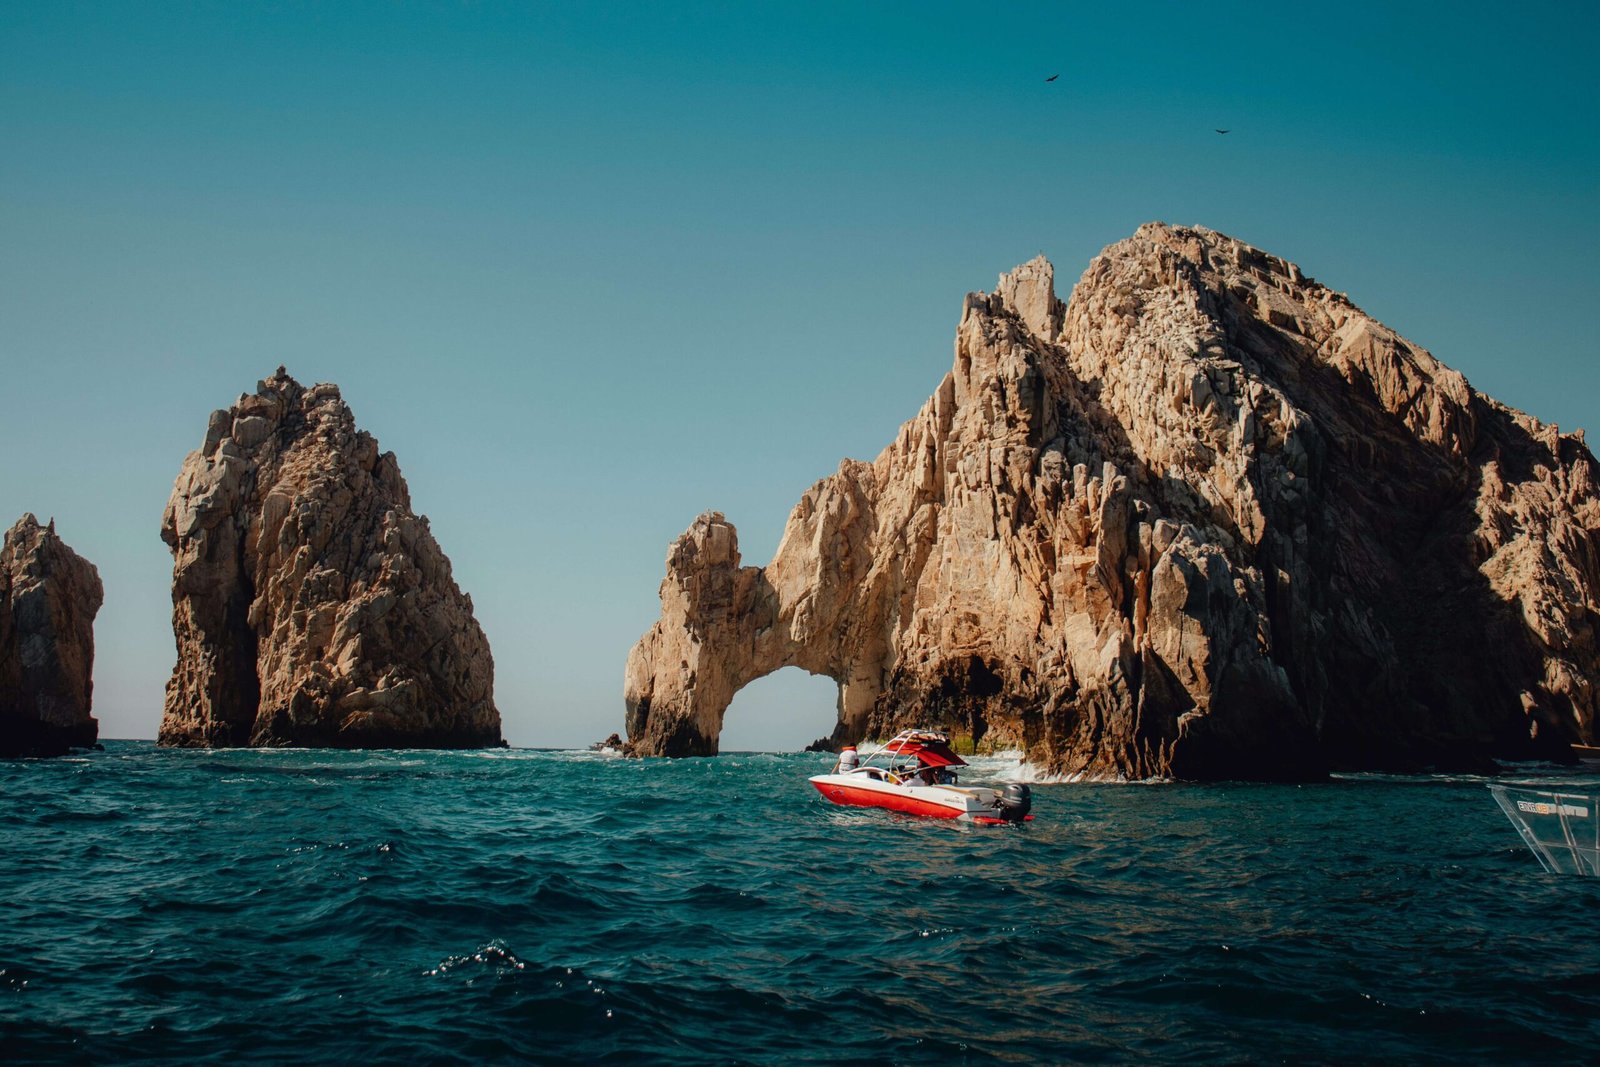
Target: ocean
{"type": "Point", "coordinates": [296, 906]}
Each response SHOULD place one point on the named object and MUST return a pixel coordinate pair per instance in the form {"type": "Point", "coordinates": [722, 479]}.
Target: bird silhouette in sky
{"type": "Point", "coordinates": [1052, 77]}
{"type": "Point", "coordinates": [1222, 131]}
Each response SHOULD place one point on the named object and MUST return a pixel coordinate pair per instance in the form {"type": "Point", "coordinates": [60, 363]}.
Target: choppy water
{"type": "Point", "coordinates": [294, 906]}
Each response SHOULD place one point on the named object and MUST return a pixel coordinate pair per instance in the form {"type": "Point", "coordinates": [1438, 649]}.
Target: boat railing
{"type": "Point", "coordinates": [891, 750]}
{"type": "Point", "coordinates": [1561, 828]}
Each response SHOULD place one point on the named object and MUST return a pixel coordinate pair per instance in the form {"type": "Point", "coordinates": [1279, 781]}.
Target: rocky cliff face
{"type": "Point", "coordinates": [49, 596]}
{"type": "Point", "coordinates": [1206, 520]}
{"type": "Point", "coordinates": [310, 605]}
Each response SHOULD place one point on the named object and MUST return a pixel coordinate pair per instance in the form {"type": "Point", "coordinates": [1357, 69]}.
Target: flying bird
{"type": "Point", "coordinates": [1052, 77]}
{"type": "Point", "coordinates": [1222, 131]}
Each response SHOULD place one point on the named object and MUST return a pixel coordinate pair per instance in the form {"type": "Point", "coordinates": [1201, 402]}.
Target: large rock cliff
{"type": "Point", "coordinates": [310, 605]}
{"type": "Point", "coordinates": [1206, 520]}
{"type": "Point", "coordinates": [49, 596]}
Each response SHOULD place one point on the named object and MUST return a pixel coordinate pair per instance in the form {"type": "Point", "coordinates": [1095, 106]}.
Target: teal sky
{"type": "Point", "coordinates": [592, 269]}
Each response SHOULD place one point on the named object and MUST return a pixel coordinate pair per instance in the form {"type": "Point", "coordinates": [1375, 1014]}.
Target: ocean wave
{"type": "Point", "coordinates": [545, 906]}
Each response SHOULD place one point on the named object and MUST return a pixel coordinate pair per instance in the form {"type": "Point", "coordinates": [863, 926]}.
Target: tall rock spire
{"type": "Point", "coordinates": [49, 596]}
{"type": "Point", "coordinates": [310, 605]}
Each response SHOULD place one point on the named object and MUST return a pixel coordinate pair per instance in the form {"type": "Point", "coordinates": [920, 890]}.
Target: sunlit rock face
{"type": "Point", "coordinates": [49, 596]}
{"type": "Point", "coordinates": [310, 605]}
{"type": "Point", "coordinates": [1206, 520]}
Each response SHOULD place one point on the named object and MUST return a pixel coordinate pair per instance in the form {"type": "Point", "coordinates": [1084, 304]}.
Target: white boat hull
{"type": "Point", "coordinates": [868, 789]}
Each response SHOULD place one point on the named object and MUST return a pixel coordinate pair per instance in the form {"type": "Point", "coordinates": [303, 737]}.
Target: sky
{"type": "Point", "coordinates": [590, 270]}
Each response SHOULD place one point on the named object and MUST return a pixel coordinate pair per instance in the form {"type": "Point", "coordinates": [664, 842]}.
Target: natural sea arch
{"type": "Point", "coordinates": [780, 712]}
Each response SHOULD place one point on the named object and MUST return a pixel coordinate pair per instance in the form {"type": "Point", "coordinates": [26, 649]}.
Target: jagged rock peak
{"type": "Point", "coordinates": [1208, 519]}
{"type": "Point", "coordinates": [1030, 293]}
{"type": "Point", "coordinates": [310, 605]}
{"type": "Point", "coordinates": [49, 596]}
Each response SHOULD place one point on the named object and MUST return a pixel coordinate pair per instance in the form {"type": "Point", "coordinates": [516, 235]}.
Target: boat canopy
{"type": "Point", "coordinates": [931, 748]}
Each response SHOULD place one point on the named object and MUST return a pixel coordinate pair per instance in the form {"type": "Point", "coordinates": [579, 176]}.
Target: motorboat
{"type": "Point", "coordinates": [1560, 827]}
{"type": "Point", "coordinates": [915, 774]}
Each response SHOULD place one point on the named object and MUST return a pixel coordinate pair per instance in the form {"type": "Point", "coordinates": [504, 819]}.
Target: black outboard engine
{"type": "Point", "coordinates": [1015, 802]}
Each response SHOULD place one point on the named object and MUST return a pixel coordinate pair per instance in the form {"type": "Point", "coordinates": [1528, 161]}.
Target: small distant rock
{"type": "Point", "coordinates": [49, 596]}
{"type": "Point", "coordinates": [611, 746]}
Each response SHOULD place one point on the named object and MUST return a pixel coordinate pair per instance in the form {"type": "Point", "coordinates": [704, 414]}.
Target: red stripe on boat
{"type": "Point", "coordinates": [873, 798]}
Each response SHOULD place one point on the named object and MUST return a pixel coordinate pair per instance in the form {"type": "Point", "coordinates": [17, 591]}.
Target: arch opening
{"type": "Point", "coordinates": [780, 712]}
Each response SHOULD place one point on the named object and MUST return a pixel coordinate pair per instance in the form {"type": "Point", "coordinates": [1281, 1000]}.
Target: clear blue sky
{"type": "Point", "coordinates": [592, 269]}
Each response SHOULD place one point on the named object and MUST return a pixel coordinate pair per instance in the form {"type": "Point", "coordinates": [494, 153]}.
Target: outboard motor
{"type": "Point", "coordinates": [1015, 802]}
{"type": "Point", "coordinates": [847, 759]}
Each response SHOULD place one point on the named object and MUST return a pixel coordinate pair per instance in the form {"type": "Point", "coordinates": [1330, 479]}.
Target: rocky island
{"type": "Point", "coordinates": [49, 596]}
{"type": "Point", "coordinates": [311, 606]}
{"type": "Point", "coordinates": [1205, 520]}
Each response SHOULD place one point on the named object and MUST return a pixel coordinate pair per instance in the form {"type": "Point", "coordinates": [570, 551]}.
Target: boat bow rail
{"type": "Point", "coordinates": [1562, 828]}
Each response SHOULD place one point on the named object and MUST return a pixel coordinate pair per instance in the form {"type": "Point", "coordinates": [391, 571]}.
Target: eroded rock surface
{"type": "Point", "coordinates": [1208, 519]}
{"type": "Point", "coordinates": [310, 605]}
{"type": "Point", "coordinates": [49, 596]}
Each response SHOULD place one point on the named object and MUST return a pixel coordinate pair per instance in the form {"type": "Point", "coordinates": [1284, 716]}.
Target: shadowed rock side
{"type": "Point", "coordinates": [310, 606]}
{"type": "Point", "coordinates": [49, 596]}
{"type": "Point", "coordinates": [1206, 520]}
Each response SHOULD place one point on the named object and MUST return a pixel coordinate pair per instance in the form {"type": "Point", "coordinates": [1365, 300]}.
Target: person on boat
{"type": "Point", "coordinates": [909, 772]}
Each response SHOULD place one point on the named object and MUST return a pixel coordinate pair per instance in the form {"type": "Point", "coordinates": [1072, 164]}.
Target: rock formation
{"type": "Point", "coordinates": [1206, 520]}
{"type": "Point", "coordinates": [49, 596]}
{"type": "Point", "coordinates": [310, 606]}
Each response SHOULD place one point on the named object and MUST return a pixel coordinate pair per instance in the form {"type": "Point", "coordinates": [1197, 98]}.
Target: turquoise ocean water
{"type": "Point", "coordinates": [552, 907]}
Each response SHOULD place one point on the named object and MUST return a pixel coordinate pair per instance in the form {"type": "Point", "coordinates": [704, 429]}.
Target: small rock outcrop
{"type": "Point", "coordinates": [1208, 519]}
{"type": "Point", "coordinates": [49, 596]}
{"type": "Point", "coordinates": [311, 607]}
